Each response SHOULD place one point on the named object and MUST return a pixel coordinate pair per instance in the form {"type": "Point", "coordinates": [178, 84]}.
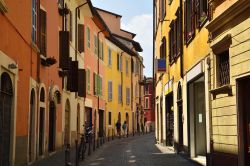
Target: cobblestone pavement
{"type": "Point", "coordinates": [135, 151]}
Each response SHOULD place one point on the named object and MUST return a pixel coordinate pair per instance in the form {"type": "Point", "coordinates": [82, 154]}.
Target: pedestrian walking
{"type": "Point", "coordinates": [118, 128]}
{"type": "Point", "coordinates": [142, 128]}
{"type": "Point", "coordinates": [125, 128]}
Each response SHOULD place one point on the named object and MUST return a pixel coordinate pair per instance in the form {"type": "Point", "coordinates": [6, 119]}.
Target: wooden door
{"type": "Point", "coordinates": [6, 97]}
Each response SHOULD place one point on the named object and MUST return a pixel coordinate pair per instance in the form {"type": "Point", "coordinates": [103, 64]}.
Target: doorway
{"type": "Point", "coordinates": [243, 96]}
{"type": "Point", "coordinates": [41, 121]}
{"type": "Point", "coordinates": [78, 121]}
{"type": "Point", "coordinates": [180, 118]}
{"type": "Point", "coordinates": [101, 123]}
{"type": "Point", "coordinates": [169, 120]}
{"type": "Point", "coordinates": [52, 126]}
{"type": "Point", "coordinates": [32, 126]}
{"type": "Point", "coordinates": [67, 123]}
{"type": "Point", "coordinates": [197, 118]}
{"type": "Point", "coordinates": [6, 100]}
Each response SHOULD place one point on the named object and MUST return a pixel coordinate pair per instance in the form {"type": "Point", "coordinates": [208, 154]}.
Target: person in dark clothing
{"type": "Point", "coordinates": [118, 128]}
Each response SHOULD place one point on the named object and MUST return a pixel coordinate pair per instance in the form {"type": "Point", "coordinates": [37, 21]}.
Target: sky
{"type": "Point", "coordinates": [137, 17]}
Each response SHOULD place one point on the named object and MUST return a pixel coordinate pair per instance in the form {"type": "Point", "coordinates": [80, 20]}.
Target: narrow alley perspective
{"type": "Point", "coordinates": [125, 82]}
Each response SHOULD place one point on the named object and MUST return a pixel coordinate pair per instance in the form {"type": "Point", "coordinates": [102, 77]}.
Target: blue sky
{"type": "Point", "coordinates": [137, 17]}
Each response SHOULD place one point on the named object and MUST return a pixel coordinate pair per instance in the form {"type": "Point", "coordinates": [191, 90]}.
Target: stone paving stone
{"type": "Point", "coordinates": [135, 151]}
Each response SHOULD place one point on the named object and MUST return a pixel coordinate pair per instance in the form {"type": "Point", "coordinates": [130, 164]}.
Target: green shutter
{"type": "Point", "coordinates": [88, 81]}
{"type": "Point", "coordinates": [100, 86]}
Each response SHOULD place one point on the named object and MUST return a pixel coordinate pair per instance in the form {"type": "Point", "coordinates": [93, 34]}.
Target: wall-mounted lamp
{"type": "Point", "coordinates": [12, 66]}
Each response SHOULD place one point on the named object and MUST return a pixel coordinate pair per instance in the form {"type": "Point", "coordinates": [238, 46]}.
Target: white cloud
{"type": "Point", "coordinates": [142, 25]}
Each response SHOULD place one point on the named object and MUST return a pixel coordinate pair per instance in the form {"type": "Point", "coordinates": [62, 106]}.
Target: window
{"type": "Point", "coordinates": [95, 83]}
{"type": "Point", "coordinates": [189, 20]}
{"type": "Point", "coordinates": [110, 96]}
{"type": "Point", "coordinates": [172, 42]}
{"type": "Point", "coordinates": [163, 48]}
{"type": "Point", "coordinates": [147, 102]}
{"type": "Point", "coordinates": [136, 90]}
{"type": "Point", "coordinates": [127, 96]}
{"type": "Point", "coordinates": [127, 67]}
{"type": "Point", "coordinates": [110, 57]}
{"type": "Point", "coordinates": [68, 23]}
{"type": "Point", "coordinates": [146, 89]}
{"type": "Point", "coordinates": [43, 32]}
{"type": "Point", "coordinates": [95, 44]}
{"type": "Point", "coordinates": [80, 38]}
{"type": "Point", "coordinates": [163, 9]}
{"type": "Point", "coordinates": [223, 68]}
{"type": "Point", "coordinates": [175, 37]}
{"type": "Point", "coordinates": [34, 21]}
{"type": "Point", "coordinates": [201, 12]}
{"type": "Point", "coordinates": [110, 116]}
{"type": "Point", "coordinates": [119, 62]}
{"type": "Point", "coordinates": [101, 50]}
{"type": "Point", "coordinates": [88, 37]}
{"type": "Point", "coordinates": [119, 94]}
{"type": "Point", "coordinates": [88, 80]}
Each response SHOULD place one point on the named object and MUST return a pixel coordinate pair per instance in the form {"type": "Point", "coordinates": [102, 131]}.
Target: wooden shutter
{"type": "Point", "coordinates": [64, 50]}
{"type": "Point", "coordinates": [81, 83]}
{"type": "Point", "coordinates": [74, 76]}
{"type": "Point", "coordinates": [88, 79]}
{"type": "Point", "coordinates": [80, 38]}
{"type": "Point", "coordinates": [193, 17]}
{"type": "Point", "coordinates": [69, 76]}
{"type": "Point", "coordinates": [43, 29]}
{"type": "Point", "coordinates": [197, 9]}
{"type": "Point", "coordinates": [175, 39]}
{"type": "Point", "coordinates": [70, 26]}
{"type": "Point", "coordinates": [185, 22]}
{"type": "Point", "coordinates": [100, 86]}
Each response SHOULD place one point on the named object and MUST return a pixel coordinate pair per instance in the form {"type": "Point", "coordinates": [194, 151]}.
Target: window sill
{"type": "Point", "coordinates": [225, 89]}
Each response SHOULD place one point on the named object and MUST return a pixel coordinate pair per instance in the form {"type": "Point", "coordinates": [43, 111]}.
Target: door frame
{"type": "Point", "coordinates": [240, 123]}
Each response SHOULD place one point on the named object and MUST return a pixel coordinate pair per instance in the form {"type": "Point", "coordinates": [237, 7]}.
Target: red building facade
{"type": "Point", "coordinates": [149, 115]}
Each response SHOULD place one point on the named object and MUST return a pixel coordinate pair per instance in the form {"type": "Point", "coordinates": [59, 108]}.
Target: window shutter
{"type": "Point", "coordinates": [193, 17]}
{"type": "Point", "coordinates": [88, 79]}
{"type": "Point", "coordinates": [81, 83]}
{"type": "Point", "coordinates": [185, 21]}
{"type": "Point", "coordinates": [74, 76]}
{"type": "Point", "coordinates": [70, 25]}
{"type": "Point", "coordinates": [80, 38]}
{"type": "Point", "coordinates": [100, 80]}
{"type": "Point", "coordinates": [197, 9]}
{"type": "Point", "coordinates": [64, 50]}
{"type": "Point", "coordinates": [43, 38]}
{"type": "Point", "coordinates": [175, 38]}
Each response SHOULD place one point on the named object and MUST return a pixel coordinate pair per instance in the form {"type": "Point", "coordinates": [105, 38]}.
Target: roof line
{"type": "Point", "coordinates": [117, 15]}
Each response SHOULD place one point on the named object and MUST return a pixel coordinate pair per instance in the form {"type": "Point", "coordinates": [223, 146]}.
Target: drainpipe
{"type": "Point", "coordinates": [98, 67]}
{"type": "Point", "coordinates": [181, 22]}
{"type": "Point", "coordinates": [76, 27]}
{"type": "Point", "coordinates": [153, 87]}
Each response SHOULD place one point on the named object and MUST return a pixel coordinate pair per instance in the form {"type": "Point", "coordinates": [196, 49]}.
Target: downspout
{"type": "Point", "coordinates": [153, 87]}
{"type": "Point", "coordinates": [98, 67]}
{"type": "Point", "coordinates": [181, 56]}
{"type": "Point", "coordinates": [76, 27]}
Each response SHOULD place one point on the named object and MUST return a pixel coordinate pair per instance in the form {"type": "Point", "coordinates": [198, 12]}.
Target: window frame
{"type": "Point", "coordinates": [109, 57]}
{"type": "Point", "coordinates": [34, 20]}
{"type": "Point", "coordinates": [110, 90]}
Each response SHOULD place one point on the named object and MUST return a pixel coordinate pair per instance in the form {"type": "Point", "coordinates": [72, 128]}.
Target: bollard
{"type": "Point", "coordinates": [77, 159]}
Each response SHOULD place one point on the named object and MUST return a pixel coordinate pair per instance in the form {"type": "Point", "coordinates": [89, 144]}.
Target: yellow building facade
{"type": "Point", "coordinates": [181, 89]}
{"type": "Point", "coordinates": [229, 72]}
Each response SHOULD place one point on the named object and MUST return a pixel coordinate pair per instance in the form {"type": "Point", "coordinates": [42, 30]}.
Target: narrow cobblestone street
{"type": "Point", "coordinates": [135, 151]}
